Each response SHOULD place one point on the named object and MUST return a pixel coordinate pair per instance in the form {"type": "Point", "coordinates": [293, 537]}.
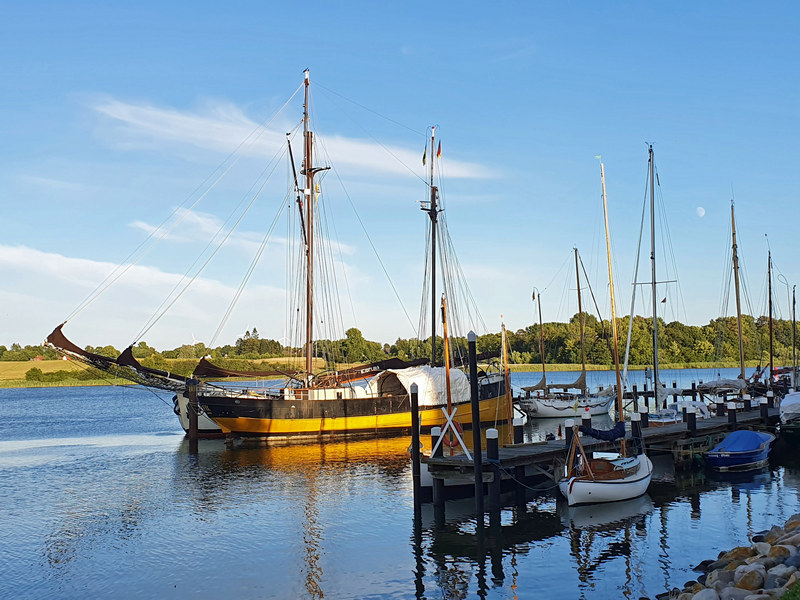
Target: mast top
{"type": "Point", "coordinates": [306, 73]}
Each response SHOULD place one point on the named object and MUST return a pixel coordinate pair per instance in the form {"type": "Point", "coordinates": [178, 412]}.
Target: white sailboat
{"type": "Point", "coordinates": [621, 477]}
{"type": "Point", "coordinates": [543, 401]}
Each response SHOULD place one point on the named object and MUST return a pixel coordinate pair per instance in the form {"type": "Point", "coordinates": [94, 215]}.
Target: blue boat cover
{"type": "Point", "coordinates": [742, 441]}
{"type": "Point", "coordinates": [608, 435]}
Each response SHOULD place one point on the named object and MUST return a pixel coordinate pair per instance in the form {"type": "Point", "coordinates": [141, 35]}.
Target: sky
{"type": "Point", "coordinates": [113, 114]}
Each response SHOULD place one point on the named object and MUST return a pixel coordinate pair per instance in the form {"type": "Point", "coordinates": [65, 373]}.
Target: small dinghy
{"type": "Point", "coordinates": [742, 450]}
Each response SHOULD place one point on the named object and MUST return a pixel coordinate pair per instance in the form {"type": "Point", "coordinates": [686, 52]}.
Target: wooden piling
{"type": "Point", "coordinates": [636, 432]}
{"type": "Point", "coordinates": [770, 399]}
{"type": "Point", "coordinates": [691, 420]}
{"type": "Point", "coordinates": [568, 432]}
{"type": "Point", "coordinates": [436, 433]}
{"type": "Point", "coordinates": [519, 433]}
{"type": "Point", "coordinates": [644, 416]}
{"type": "Point", "coordinates": [747, 402]}
{"type": "Point", "coordinates": [732, 415]}
{"type": "Point", "coordinates": [477, 458]}
{"type": "Point", "coordinates": [762, 404]}
{"type": "Point", "coordinates": [586, 418]}
{"type": "Point", "coordinates": [493, 457]}
{"type": "Point", "coordinates": [636, 398]}
{"type": "Point", "coordinates": [415, 454]}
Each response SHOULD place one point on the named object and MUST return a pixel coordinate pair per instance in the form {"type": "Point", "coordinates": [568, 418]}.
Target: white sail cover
{"type": "Point", "coordinates": [431, 384]}
{"type": "Point", "coordinates": [790, 407]}
{"type": "Point", "coordinates": [722, 385]}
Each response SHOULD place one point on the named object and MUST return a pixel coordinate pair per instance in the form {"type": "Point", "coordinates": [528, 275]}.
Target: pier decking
{"type": "Point", "coordinates": [543, 457]}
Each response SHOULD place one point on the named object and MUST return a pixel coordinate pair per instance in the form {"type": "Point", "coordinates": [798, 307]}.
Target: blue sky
{"type": "Point", "coordinates": [113, 113]}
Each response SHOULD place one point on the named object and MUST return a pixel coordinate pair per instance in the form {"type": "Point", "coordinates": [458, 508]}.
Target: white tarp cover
{"type": "Point", "coordinates": [431, 384]}
{"type": "Point", "coordinates": [790, 407]}
{"type": "Point", "coordinates": [722, 385]}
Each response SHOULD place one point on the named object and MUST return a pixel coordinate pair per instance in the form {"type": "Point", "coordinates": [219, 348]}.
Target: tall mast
{"type": "Point", "coordinates": [794, 343]}
{"type": "Point", "coordinates": [309, 195]}
{"type": "Point", "coordinates": [541, 335]}
{"type": "Point", "coordinates": [613, 308]}
{"type": "Point", "coordinates": [735, 253]}
{"type": "Point", "coordinates": [769, 283]}
{"type": "Point", "coordinates": [656, 383]}
{"type": "Point", "coordinates": [580, 316]}
{"type": "Point", "coordinates": [433, 213]}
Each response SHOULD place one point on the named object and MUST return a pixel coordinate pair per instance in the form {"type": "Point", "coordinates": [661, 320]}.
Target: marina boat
{"type": "Point", "coordinates": [790, 417]}
{"type": "Point", "coordinates": [673, 413]}
{"type": "Point", "coordinates": [370, 399]}
{"type": "Point", "coordinates": [543, 401]}
{"type": "Point", "coordinates": [590, 480]}
{"type": "Point", "coordinates": [741, 450]}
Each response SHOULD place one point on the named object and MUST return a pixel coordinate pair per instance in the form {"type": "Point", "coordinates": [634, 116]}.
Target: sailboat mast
{"type": "Point", "coordinates": [735, 252]}
{"type": "Point", "coordinates": [769, 284]}
{"type": "Point", "coordinates": [656, 383]}
{"type": "Point", "coordinates": [541, 335]}
{"type": "Point", "coordinates": [433, 213]}
{"type": "Point", "coordinates": [611, 288]}
{"type": "Point", "coordinates": [794, 341]}
{"type": "Point", "coordinates": [309, 195]}
{"type": "Point", "coordinates": [580, 316]}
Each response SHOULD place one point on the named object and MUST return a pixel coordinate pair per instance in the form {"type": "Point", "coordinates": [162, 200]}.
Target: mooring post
{"type": "Point", "coordinates": [519, 433]}
{"type": "Point", "coordinates": [691, 420]}
{"type": "Point", "coordinates": [762, 404]}
{"type": "Point", "coordinates": [770, 399]}
{"type": "Point", "coordinates": [636, 432]}
{"type": "Point", "coordinates": [586, 418]}
{"type": "Point", "coordinates": [732, 415]}
{"type": "Point", "coordinates": [493, 457]}
{"type": "Point", "coordinates": [436, 433]}
{"type": "Point", "coordinates": [635, 394]}
{"type": "Point", "coordinates": [193, 410]}
{"type": "Point", "coordinates": [644, 416]}
{"type": "Point", "coordinates": [684, 413]}
{"type": "Point", "coordinates": [568, 432]}
{"type": "Point", "coordinates": [720, 407]}
{"type": "Point", "coordinates": [477, 458]}
{"type": "Point", "coordinates": [747, 402]}
{"type": "Point", "coordinates": [694, 391]}
{"type": "Point", "coordinates": [415, 455]}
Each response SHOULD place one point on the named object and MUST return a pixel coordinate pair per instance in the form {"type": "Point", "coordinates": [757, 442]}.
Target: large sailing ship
{"type": "Point", "coordinates": [369, 399]}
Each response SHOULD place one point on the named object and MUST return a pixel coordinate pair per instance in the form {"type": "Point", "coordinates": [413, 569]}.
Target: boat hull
{"type": "Point", "coordinates": [578, 490]}
{"type": "Point", "coordinates": [723, 459]}
{"type": "Point", "coordinates": [549, 408]}
{"type": "Point", "coordinates": [278, 417]}
{"type": "Point", "coordinates": [206, 427]}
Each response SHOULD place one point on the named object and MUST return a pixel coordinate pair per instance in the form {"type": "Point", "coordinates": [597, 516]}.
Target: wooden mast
{"type": "Point", "coordinates": [794, 341]}
{"type": "Point", "coordinates": [433, 213]}
{"type": "Point", "coordinates": [308, 171]}
{"type": "Point", "coordinates": [580, 320]}
{"type": "Point", "coordinates": [447, 365]}
{"type": "Point", "coordinates": [620, 416]}
{"type": "Point", "coordinates": [735, 253]}
{"type": "Point", "coordinates": [656, 382]}
{"type": "Point", "coordinates": [507, 384]}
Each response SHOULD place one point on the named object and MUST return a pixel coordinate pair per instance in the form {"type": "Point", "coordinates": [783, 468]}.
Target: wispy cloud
{"type": "Point", "coordinates": [222, 126]}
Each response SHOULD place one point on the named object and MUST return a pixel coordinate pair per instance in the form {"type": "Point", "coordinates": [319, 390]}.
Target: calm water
{"type": "Point", "coordinates": [99, 497]}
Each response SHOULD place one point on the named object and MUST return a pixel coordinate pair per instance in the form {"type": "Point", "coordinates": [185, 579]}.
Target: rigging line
{"type": "Point", "coordinates": [213, 254]}
{"type": "Point", "coordinates": [102, 286]}
{"type": "Point", "coordinates": [155, 316]}
{"type": "Point", "coordinates": [372, 245]}
{"type": "Point", "coordinates": [372, 137]}
{"type": "Point", "coordinates": [248, 274]}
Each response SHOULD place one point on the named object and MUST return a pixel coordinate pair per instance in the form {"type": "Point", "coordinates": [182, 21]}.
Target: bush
{"type": "Point", "coordinates": [34, 374]}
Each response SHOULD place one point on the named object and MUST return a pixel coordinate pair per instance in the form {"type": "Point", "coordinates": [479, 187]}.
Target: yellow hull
{"type": "Point", "coordinates": [492, 410]}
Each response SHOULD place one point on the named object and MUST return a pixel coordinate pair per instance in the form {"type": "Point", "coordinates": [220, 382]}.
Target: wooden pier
{"type": "Point", "coordinates": [545, 458]}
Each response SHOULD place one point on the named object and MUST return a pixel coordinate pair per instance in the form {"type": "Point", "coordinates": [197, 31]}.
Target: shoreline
{"type": "Point", "coordinates": [12, 372]}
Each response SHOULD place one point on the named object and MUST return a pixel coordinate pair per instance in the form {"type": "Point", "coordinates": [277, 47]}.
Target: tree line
{"type": "Point", "coordinates": [715, 343]}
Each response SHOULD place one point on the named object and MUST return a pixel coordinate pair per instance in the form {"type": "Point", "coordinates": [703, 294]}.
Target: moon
{"type": "Point", "coordinates": [701, 212]}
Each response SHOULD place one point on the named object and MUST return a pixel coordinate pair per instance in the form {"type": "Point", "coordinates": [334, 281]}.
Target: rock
{"type": "Point", "coordinates": [762, 548]}
{"type": "Point", "coordinates": [781, 571]}
{"type": "Point", "coordinates": [706, 594]}
{"type": "Point", "coordinates": [733, 593]}
{"type": "Point", "coordinates": [792, 549]}
{"type": "Point", "coordinates": [793, 561]}
{"type": "Point", "coordinates": [758, 597]}
{"type": "Point", "coordinates": [734, 564]}
{"type": "Point", "coordinates": [774, 581]}
{"type": "Point", "coordinates": [792, 522]}
{"type": "Point", "coordinates": [750, 580]}
{"type": "Point", "coordinates": [703, 566]}
{"type": "Point", "coordinates": [739, 553]}
{"type": "Point", "coordinates": [792, 539]}
{"type": "Point", "coordinates": [767, 561]}
{"type": "Point", "coordinates": [779, 552]}
{"type": "Point", "coordinates": [773, 534]}
{"type": "Point", "coordinates": [685, 596]}
{"type": "Point", "coordinates": [720, 575]}
{"type": "Point", "coordinates": [718, 564]}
